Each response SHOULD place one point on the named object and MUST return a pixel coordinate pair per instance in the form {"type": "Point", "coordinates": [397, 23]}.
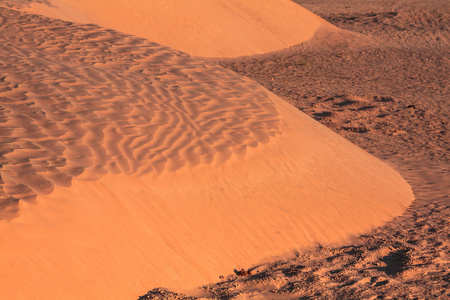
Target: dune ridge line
{"type": "Point", "coordinates": [128, 165]}
{"type": "Point", "coordinates": [220, 28]}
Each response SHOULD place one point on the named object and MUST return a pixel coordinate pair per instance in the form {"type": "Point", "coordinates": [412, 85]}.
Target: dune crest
{"type": "Point", "coordinates": [220, 28]}
{"type": "Point", "coordinates": [127, 165]}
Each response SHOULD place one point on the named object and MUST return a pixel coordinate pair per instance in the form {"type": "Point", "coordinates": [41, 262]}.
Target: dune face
{"type": "Point", "coordinates": [224, 28]}
{"type": "Point", "coordinates": [92, 114]}
{"type": "Point", "coordinates": [127, 165]}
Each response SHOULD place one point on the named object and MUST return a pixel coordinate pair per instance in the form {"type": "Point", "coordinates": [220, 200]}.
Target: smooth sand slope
{"type": "Point", "coordinates": [127, 165]}
{"type": "Point", "coordinates": [390, 98]}
{"type": "Point", "coordinates": [224, 28]}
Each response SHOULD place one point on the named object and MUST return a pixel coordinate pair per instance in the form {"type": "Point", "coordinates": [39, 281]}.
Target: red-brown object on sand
{"type": "Point", "coordinates": [244, 273]}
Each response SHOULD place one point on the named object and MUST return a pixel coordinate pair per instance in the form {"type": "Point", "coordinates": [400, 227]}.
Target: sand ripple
{"type": "Point", "coordinates": [151, 168]}
{"type": "Point", "coordinates": [120, 105]}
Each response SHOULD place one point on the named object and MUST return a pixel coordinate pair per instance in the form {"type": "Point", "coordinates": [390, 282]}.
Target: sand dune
{"type": "Point", "coordinates": [127, 165]}
{"type": "Point", "coordinates": [223, 28]}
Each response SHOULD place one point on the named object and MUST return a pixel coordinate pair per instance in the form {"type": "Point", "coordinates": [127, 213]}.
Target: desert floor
{"type": "Point", "coordinates": [385, 88]}
{"type": "Point", "coordinates": [382, 84]}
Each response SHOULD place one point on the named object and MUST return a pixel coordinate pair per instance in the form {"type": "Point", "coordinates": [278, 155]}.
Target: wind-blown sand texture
{"type": "Point", "coordinates": [391, 97]}
{"type": "Point", "coordinates": [224, 28]}
{"type": "Point", "coordinates": [128, 165]}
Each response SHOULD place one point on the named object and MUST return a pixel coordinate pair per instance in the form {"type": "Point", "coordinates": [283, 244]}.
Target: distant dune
{"type": "Point", "coordinates": [127, 165]}
{"type": "Point", "coordinates": [224, 28]}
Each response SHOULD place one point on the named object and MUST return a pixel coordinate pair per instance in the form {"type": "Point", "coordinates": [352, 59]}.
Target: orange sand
{"type": "Point", "coordinates": [152, 168]}
{"type": "Point", "coordinates": [224, 28]}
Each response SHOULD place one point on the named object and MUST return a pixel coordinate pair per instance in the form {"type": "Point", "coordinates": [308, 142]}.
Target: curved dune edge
{"type": "Point", "coordinates": [121, 235]}
{"type": "Point", "coordinates": [221, 28]}
{"type": "Point", "coordinates": [152, 168]}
